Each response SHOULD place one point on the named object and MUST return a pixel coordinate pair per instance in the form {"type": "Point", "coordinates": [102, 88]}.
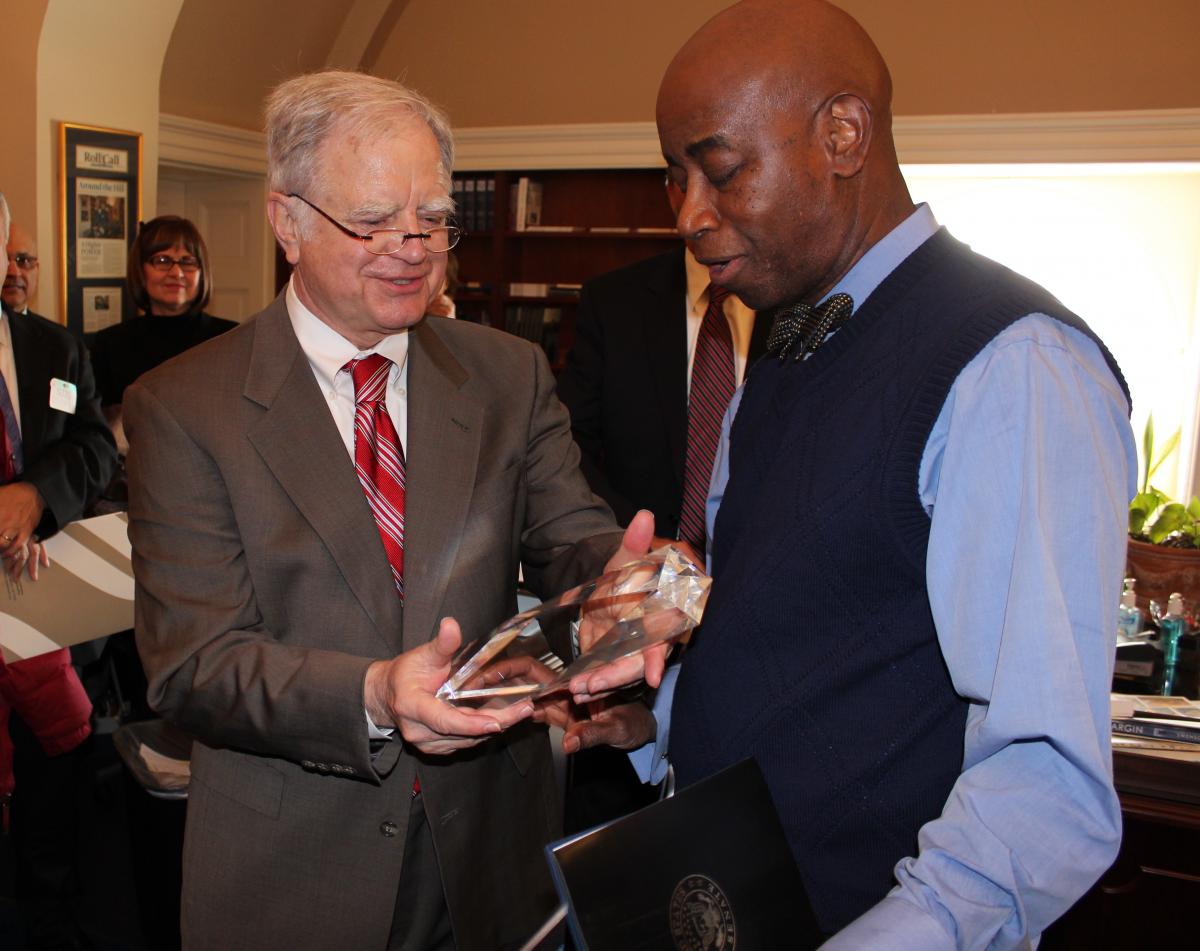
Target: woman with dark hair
{"type": "Point", "coordinates": [170, 282]}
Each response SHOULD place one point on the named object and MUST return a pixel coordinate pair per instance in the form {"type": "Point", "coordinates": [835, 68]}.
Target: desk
{"type": "Point", "coordinates": [1152, 892]}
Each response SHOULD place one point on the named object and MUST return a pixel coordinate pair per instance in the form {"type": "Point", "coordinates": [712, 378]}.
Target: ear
{"type": "Point", "coordinates": [285, 226]}
{"type": "Point", "coordinates": [847, 134]}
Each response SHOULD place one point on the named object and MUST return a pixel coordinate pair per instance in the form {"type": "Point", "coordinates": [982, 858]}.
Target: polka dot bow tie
{"type": "Point", "coordinates": [801, 329]}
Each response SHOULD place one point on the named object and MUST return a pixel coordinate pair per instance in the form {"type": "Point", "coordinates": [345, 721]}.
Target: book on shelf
{"type": "Point", "coordinates": [528, 289]}
{"type": "Point", "coordinates": [475, 199]}
{"type": "Point", "coordinates": [525, 200]}
{"type": "Point", "coordinates": [537, 323]}
{"type": "Point", "coordinates": [468, 205]}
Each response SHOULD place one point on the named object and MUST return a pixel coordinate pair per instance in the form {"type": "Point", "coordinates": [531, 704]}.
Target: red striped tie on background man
{"type": "Point", "coordinates": [713, 383]}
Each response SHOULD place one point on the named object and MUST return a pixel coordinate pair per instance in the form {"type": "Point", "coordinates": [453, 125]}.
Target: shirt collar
{"type": "Point", "coordinates": [886, 255]}
{"type": "Point", "coordinates": [327, 350]}
{"type": "Point", "coordinates": [697, 281]}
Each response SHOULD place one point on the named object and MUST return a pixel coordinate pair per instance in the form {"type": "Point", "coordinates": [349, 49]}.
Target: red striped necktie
{"type": "Point", "coordinates": [379, 457]}
{"type": "Point", "coordinates": [713, 383]}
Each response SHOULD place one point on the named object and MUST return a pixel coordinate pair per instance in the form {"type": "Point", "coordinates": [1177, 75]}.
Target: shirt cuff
{"type": "Point", "coordinates": [650, 761]}
{"type": "Point", "coordinates": [893, 925]}
{"type": "Point", "coordinates": [374, 732]}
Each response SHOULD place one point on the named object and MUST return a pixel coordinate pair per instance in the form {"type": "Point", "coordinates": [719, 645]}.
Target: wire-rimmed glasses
{"type": "Point", "coordinates": [391, 240]}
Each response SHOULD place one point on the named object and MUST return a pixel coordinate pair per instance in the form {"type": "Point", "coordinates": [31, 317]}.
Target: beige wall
{"type": "Point", "coordinates": [555, 61]}
{"type": "Point", "coordinates": [532, 62]}
{"type": "Point", "coordinates": [97, 64]}
{"type": "Point", "coordinates": [18, 160]}
{"type": "Point", "coordinates": [225, 54]}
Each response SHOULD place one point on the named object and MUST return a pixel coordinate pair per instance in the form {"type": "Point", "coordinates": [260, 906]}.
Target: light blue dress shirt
{"type": "Point", "coordinates": [1026, 476]}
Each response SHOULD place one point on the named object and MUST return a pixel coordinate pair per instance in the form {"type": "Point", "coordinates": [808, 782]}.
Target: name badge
{"type": "Point", "coordinates": [63, 395]}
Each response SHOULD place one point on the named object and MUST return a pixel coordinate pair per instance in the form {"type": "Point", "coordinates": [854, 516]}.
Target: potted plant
{"type": "Point", "coordinates": [1164, 535]}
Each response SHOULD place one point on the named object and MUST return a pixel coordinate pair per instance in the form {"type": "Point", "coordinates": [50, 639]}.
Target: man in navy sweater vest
{"type": "Point", "coordinates": [919, 516]}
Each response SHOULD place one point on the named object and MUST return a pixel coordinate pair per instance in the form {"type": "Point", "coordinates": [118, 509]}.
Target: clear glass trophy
{"type": "Point", "coordinates": [654, 599]}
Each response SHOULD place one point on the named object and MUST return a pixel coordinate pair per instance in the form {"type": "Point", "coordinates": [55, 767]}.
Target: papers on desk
{"type": "Point", "coordinates": [1153, 722]}
{"type": "Point", "coordinates": [87, 592]}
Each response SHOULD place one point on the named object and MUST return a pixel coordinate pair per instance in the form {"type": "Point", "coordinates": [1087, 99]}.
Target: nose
{"type": "Point", "coordinates": [12, 268]}
{"type": "Point", "coordinates": [413, 250]}
{"type": "Point", "coordinates": [697, 213]}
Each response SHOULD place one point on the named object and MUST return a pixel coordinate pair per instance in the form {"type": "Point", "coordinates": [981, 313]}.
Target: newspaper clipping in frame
{"type": "Point", "coordinates": [100, 227]}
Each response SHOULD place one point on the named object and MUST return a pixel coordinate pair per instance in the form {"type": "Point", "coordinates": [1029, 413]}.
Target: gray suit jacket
{"type": "Point", "coordinates": [263, 593]}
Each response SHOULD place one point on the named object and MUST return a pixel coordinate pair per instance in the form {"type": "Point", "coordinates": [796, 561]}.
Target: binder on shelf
{"type": "Point", "coordinates": [469, 204]}
{"type": "Point", "coordinates": [707, 868]}
{"type": "Point", "coordinates": [489, 204]}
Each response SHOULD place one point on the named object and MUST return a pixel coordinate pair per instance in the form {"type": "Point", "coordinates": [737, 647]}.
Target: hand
{"type": "Point", "coordinates": [682, 546]}
{"type": "Point", "coordinates": [21, 508]}
{"type": "Point", "coordinates": [645, 665]}
{"type": "Point", "coordinates": [32, 556]}
{"type": "Point", "coordinates": [401, 692]}
{"type": "Point", "coordinates": [623, 726]}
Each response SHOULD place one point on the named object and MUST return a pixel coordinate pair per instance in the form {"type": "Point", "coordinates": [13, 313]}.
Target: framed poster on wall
{"type": "Point", "coordinates": [100, 198]}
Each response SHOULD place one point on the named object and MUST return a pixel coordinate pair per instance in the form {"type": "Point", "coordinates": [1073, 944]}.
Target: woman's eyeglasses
{"type": "Point", "coordinates": [164, 262]}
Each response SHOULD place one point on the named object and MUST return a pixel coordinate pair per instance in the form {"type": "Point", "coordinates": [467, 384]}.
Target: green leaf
{"type": "Point", "coordinates": [1147, 449]}
{"type": "Point", "coordinates": [1162, 456]}
{"type": "Point", "coordinates": [1171, 520]}
{"type": "Point", "coordinates": [1193, 508]}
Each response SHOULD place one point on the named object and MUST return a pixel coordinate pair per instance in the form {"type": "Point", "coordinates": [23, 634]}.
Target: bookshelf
{"type": "Point", "coordinates": [615, 217]}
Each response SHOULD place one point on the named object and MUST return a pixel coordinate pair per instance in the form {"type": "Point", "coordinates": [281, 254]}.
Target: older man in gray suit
{"type": "Point", "coordinates": [309, 494]}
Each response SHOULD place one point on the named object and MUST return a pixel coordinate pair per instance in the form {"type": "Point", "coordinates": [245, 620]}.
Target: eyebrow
{"type": "Point", "coordinates": [715, 141]}
{"type": "Point", "coordinates": [440, 205]}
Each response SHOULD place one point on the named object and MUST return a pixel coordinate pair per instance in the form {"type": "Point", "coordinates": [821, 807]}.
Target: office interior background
{"type": "Point", "coordinates": [1060, 137]}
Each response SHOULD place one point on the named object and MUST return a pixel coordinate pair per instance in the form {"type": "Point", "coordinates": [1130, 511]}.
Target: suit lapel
{"type": "Point", "coordinates": [299, 442]}
{"type": "Point", "coordinates": [444, 431]}
{"type": "Point", "coordinates": [666, 342]}
{"type": "Point", "coordinates": [33, 371]}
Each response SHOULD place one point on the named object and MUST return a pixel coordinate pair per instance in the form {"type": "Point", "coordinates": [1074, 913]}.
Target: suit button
{"type": "Point", "coordinates": [388, 828]}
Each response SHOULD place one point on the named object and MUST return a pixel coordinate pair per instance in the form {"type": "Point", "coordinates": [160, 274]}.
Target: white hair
{"type": "Point", "coordinates": [6, 215]}
{"type": "Point", "coordinates": [302, 112]}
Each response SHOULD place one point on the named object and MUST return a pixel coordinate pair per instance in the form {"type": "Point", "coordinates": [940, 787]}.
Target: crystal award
{"type": "Point", "coordinates": [657, 598]}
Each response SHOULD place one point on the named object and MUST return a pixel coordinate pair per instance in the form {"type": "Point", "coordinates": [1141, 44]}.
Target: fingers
{"type": "Point", "coordinates": [625, 726]}
{"type": "Point", "coordinates": [438, 728]}
{"type": "Point", "coordinates": [636, 540]}
{"type": "Point", "coordinates": [595, 684]}
{"type": "Point", "coordinates": [447, 642]}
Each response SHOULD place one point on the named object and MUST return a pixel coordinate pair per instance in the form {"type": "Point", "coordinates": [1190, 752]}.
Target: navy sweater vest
{"type": "Point", "coordinates": [818, 654]}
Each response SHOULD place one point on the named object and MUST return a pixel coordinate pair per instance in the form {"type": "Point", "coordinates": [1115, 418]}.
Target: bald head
{"type": "Point", "coordinates": [799, 54]}
{"type": "Point", "coordinates": [775, 120]}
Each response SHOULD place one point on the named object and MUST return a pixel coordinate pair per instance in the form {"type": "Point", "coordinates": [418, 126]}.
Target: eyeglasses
{"type": "Point", "coordinates": [391, 240]}
{"type": "Point", "coordinates": [164, 262]}
{"type": "Point", "coordinates": [26, 262]}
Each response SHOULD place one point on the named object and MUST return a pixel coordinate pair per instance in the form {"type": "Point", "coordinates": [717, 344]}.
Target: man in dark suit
{"type": "Point", "coordinates": [627, 384]}
{"type": "Point", "coordinates": [66, 451]}
{"type": "Point", "coordinates": [628, 378]}
{"type": "Point", "coordinates": [319, 499]}
{"type": "Point", "coordinates": [57, 456]}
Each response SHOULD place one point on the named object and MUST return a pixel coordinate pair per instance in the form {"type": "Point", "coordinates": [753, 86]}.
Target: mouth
{"type": "Point", "coordinates": [403, 285]}
{"type": "Point", "coordinates": [721, 270]}
{"type": "Point", "coordinates": [14, 285]}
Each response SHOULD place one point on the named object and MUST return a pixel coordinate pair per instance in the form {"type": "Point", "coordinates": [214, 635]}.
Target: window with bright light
{"type": "Point", "coordinates": [1117, 244]}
